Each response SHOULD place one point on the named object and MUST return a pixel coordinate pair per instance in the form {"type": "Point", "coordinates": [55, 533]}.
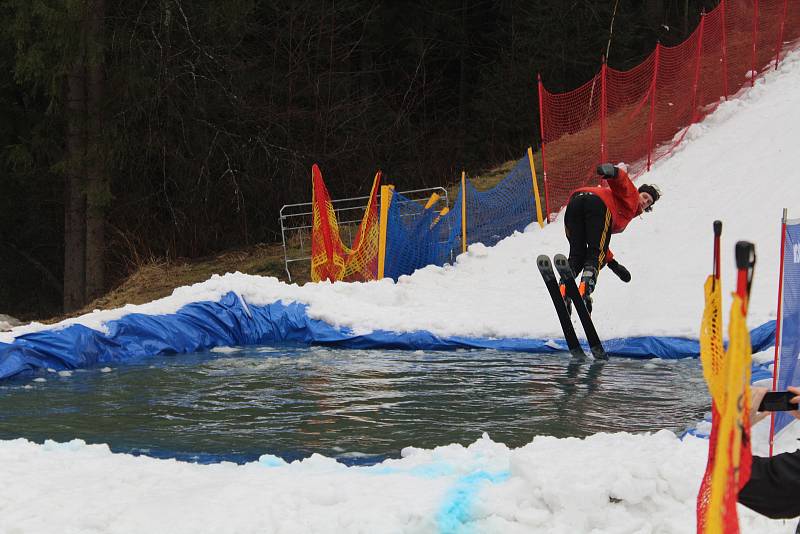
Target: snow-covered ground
{"type": "Point", "coordinates": [740, 166]}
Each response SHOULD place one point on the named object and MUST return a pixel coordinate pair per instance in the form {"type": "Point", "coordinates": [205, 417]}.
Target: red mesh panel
{"type": "Point", "coordinates": [739, 39]}
{"type": "Point", "coordinates": [677, 67]}
{"type": "Point", "coordinates": [710, 86]}
{"type": "Point", "coordinates": [571, 133]}
{"type": "Point", "coordinates": [640, 115]}
{"type": "Point", "coordinates": [628, 116]}
{"type": "Point", "coordinates": [791, 27]}
{"type": "Point", "coordinates": [770, 13]}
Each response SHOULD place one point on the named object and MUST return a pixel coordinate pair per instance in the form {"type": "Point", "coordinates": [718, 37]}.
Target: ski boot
{"type": "Point", "coordinates": [567, 301]}
{"type": "Point", "coordinates": [586, 287]}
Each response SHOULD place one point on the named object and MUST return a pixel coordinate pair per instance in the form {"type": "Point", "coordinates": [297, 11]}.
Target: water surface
{"type": "Point", "coordinates": [359, 406]}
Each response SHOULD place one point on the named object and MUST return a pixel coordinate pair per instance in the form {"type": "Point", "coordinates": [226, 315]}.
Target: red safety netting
{"type": "Point", "coordinates": [638, 116]}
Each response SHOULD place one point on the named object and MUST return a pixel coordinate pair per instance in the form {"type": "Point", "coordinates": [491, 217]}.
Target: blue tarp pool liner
{"type": "Point", "coordinates": [201, 326]}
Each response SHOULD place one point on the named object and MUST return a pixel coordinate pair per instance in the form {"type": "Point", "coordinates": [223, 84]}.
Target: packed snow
{"type": "Point", "coordinates": [738, 166]}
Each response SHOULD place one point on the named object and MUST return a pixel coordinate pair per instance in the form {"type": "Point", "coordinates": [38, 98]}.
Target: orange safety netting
{"type": "Point", "coordinates": [638, 116]}
{"type": "Point", "coordinates": [330, 258]}
{"type": "Point", "coordinates": [728, 377]}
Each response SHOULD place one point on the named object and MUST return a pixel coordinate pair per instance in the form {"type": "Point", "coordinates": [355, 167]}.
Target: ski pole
{"type": "Point", "coordinates": [716, 269]}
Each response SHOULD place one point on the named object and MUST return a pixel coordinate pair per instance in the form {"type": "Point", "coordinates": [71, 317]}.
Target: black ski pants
{"type": "Point", "coordinates": [587, 223]}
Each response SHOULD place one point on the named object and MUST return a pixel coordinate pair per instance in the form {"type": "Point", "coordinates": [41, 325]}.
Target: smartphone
{"type": "Point", "coordinates": [777, 401]}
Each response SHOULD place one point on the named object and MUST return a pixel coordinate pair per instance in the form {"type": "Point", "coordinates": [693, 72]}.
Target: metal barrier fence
{"type": "Point", "coordinates": [297, 219]}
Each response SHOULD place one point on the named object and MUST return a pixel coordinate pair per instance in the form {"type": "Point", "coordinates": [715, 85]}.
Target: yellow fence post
{"type": "Point", "coordinates": [539, 217]}
{"type": "Point", "coordinates": [386, 199]}
{"type": "Point", "coordinates": [463, 211]}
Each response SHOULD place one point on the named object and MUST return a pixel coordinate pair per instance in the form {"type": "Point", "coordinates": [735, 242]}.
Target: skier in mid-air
{"type": "Point", "coordinates": [592, 215]}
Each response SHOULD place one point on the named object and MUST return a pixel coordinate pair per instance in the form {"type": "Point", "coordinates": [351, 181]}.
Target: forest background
{"type": "Point", "coordinates": [165, 130]}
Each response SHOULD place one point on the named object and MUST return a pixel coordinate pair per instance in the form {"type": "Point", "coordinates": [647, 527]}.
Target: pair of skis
{"type": "Point", "coordinates": [550, 280]}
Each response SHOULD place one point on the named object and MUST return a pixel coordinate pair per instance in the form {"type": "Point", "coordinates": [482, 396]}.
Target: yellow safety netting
{"type": "Point", "coordinates": [331, 259]}
{"type": "Point", "coordinates": [727, 374]}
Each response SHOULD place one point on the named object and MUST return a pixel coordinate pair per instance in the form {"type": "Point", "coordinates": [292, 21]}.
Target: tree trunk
{"type": "Point", "coordinates": [463, 81]}
{"type": "Point", "coordinates": [97, 186]}
{"type": "Point", "coordinates": [75, 196]}
{"type": "Point", "coordinates": [686, 18]}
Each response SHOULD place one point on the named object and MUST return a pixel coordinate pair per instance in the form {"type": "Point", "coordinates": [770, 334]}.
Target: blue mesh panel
{"type": "Point", "coordinates": [788, 372]}
{"type": "Point", "coordinates": [495, 214]}
{"type": "Point", "coordinates": [415, 238]}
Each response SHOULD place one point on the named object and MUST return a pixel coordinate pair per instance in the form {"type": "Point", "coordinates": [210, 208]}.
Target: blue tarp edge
{"type": "Point", "coordinates": [201, 326]}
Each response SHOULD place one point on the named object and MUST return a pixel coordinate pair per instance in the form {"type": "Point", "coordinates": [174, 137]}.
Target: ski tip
{"type": "Point", "coordinates": [560, 259]}
{"type": "Point", "coordinates": [543, 260]}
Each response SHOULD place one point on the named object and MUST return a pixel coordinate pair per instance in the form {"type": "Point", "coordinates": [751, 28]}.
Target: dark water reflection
{"type": "Point", "coordinates": [358, 406]}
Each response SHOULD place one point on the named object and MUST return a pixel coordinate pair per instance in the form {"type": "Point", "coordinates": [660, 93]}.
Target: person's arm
{"type": "Point", "coordinates": [774, 482]}
{"type": "Point", "coordinates": [773, 486]}
{"type": "Point", "coordinates": [625, 193]}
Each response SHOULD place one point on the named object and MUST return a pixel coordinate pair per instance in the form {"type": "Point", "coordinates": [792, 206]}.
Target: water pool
{"type": "Point", "coordinates": [359, 406]}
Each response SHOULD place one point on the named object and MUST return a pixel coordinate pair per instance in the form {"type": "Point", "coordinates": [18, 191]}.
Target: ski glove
{"type": "Point", "coordinates": [623, 273]}
{"type": "Point", "coordinates": [607, 170]}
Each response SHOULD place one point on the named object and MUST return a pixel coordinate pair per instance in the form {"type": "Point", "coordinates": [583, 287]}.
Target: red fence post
{"type": "Point", "coordinates": [724, 52]}
{"type": "Point", "coordinates": [603, 110]}
{"type": "Point", "coordinates": [697, 67]}
{"type": "Point", "coordinates": [755, 43]}
{"type": "Point", "coordinates": [652, 119]}
{"type": "Point", "coordinates": [779, 45]}
{"type": "Point", "coordinates": [541, 134]}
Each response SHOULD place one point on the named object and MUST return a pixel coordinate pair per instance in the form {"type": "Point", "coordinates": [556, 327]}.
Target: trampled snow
{"type": "Point", "coordinates": [739, 166]}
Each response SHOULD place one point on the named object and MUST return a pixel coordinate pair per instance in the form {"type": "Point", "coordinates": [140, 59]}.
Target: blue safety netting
{"type": "Point", "coordinates": [788, 372]}
{"type": "Point", "coordinates": [417, 237]}
{"type": "Point", "coordinates": [232, 322]}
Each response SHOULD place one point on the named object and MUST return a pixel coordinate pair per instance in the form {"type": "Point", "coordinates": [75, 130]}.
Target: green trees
{"type": "Point", "coordinates": [169, 128]}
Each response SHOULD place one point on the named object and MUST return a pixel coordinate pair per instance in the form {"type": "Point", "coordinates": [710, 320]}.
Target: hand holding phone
{"type": "Point", "coordinates": [778, 401]}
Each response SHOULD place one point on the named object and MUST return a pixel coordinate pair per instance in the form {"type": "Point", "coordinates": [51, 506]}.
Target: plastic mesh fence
{"type": "Point", "coordinates": [330, 258]}
{"type": "Point", "coordinates": [639, 116]}
{"type": "Point", "coordinates": [417, 237]}
{"type": "Point", "coordinates": [571, 135]}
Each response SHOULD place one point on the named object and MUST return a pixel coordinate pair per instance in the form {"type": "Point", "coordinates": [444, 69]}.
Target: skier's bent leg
{"type": "Point", "coordinates": [575, 228]}
{"type": "Point", "coordinates": [598, 237]}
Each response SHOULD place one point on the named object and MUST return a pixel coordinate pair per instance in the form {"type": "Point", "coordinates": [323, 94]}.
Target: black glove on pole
{"type": "Point", "coordinates": [623, 273]}
{"type": "Point", "coordinates": [607, 170]}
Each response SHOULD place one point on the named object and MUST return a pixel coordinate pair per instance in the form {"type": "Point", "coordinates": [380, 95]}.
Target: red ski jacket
{"type": "Point", "coordinates": [620, 197]}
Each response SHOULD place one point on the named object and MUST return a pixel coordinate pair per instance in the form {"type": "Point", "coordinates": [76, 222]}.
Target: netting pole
{"type": "Point", "coordinates": [775, 368]}
{"type": "Point", "coordinates": [541, 136]}
{"type": "Point", "coordinates": [652, 119]}
{"type": "Point", "coordinates": [383, 225]}
{"type": "Point", "coordinates": [755, 44]}
{"type": "Point", "coordinates": [697, 67]}
{"type": "Point", "coordinates": [535, 188]}
{"type": "Point", "coordinates": [724, 52]}
{"type": "Point", "coordinates": [779, 44]}
{"type": "Point", "coordinates": [603, 103]}
{"type": "Point", "coordinates": [463, 211]}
